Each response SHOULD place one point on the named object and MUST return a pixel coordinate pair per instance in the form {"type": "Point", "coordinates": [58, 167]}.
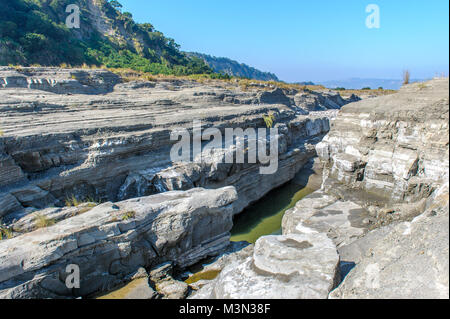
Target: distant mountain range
{"type": "Point", "coordinates": [234, 68]}
{"type": "Point", "coordinates": [359, 83]}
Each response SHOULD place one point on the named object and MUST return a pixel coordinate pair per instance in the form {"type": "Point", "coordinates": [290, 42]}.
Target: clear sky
{"type": "Point", "coordinates": [313, 40]}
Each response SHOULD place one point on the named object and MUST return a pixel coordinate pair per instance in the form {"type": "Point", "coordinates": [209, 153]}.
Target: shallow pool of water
{"type": "Point", "coordinates": [264, 217]}
{"type": "Point", "coordinates": [121, 293]}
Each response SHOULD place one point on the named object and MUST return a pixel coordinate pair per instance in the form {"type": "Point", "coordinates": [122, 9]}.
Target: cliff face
{"type": "Point", "coordinates": [393, 147]}
{"type": "Point", "coordinates": [392, 153]}
{"type": "Point", "coordinates": [388, 160]}
{"type": "Point", "coordinates": [384, 206]}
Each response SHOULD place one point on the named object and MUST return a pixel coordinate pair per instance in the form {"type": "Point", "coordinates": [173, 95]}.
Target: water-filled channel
{"type": "Point", "coordinates": [264, 216]}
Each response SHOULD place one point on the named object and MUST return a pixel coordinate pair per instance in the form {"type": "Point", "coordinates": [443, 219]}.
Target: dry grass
{"type": "Point", "coordinates": [247, 85]}
{"type": "Point", "coordinates": [43, 221]}
{"type": "Point", "coordinates": [129, 75]}
{"type": "Point", "coordinates": [406, 77]}
{"type": "Point", "coordinates": [65, 66]}
{"type": "Point", "coordinates": [87, 207]}
{"type": "Point", "coordinates": [72, 201]}
{"type": "Point", "coordinates": [5, 232]}
{"type": "Point", "coordinates": [422, 86]}
{"type": "Point", "coordinates": [18, 68]}
{"type": "Point", "coordinates": [268, 119]}
{"type": "Point", "coordinates": [128, 215]}
{"type": "Point", "coordinates": [83, 66]}
{"type": "Point", "coordinates": [83, 210]}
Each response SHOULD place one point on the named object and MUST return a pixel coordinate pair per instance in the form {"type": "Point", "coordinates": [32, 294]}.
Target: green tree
{"type": "Point", "coordinates": [115, 4]}
{"type": "Point", "coordinates": [34, 41]}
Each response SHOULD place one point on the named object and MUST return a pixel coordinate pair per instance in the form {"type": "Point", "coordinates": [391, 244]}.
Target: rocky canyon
{"type": "Point", "coordinates": [86, 179]}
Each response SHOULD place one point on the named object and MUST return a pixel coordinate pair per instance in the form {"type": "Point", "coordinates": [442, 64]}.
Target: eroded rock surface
{"type": "Point", "coordinates": [342, 221]}
{"type": "Point", "coordinates": [384, 198]}
{"type": "Point", "coordinates": [290, 266]}
{"type": "Point", "coordinates": [383, 205]}
{"type": "Point", "coordinates": [113, 240]}
{"type": "Point", "coordinates": [393, 147]}
{"type": "Point", "coordinates": [85, 137]}
{"type": "Point", "coordinates": [86, 134]}
{"type": "Point", "coordinates": [402, 260]}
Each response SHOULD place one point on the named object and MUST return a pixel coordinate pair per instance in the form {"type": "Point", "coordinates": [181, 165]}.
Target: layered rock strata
{"type": "Point", "coordinates": [71, 139]}
{"type": "Point", "coordinates": [85, 134]}
{"type": "Point", "coordinates": [392, 147]}
{"type": "Point", "coordinates": [112, 241]}
{"type": "Point", "coordinates": [383, 206]}
{"type": "Point", "coordinates": [386, 159]}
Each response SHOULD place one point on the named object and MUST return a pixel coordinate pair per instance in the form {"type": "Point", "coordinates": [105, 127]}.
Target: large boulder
{"type": "Point", "coordinates": [342, 221]}
{"type": "Point", "coordinates": [402, 260]}
{"type": "Point", "coordinates": [111, 241]}
{"type": "Point", "coordinates": [299, 266]}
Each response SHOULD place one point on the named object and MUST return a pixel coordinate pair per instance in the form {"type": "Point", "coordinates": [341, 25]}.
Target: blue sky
{"type": "Point", "coordinates": [309, 40]}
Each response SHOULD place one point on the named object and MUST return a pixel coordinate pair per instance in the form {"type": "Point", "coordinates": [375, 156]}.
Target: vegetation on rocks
{"type": "Point", "coordinates": [34, 32]}
{"type": "Point", "coordinates": [406, 77]}
{"type": "Point", "coordinates": [5, 232]}
{"type": "Point", "coordinates": [268, 119]}
{"type": "Point", "coordinates": [43, 221]}
{"type": "Point", "coordinates": [129, 215]}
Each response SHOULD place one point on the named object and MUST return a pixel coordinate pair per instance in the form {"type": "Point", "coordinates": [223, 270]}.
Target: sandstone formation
{"type": "Point", "coordinates": [383, 205]}
{"type": "Point", "coordinates": [402, 260]}
{"type": "Point", "coordinates": [83, 133]}
{"type": "Point", "coordinates": [388, 155]}
{"type": "Point", "coordinates": [74, 138]}
{"type": "Point", "coordinates": [112, 241]}
{"type": "Point", "coordinates": [393, 147]}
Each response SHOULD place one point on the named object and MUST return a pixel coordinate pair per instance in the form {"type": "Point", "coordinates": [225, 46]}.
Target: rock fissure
{"type": "Point", "coordinates": [383, 188]}
{"type": "Point", "coordinates": [387, 223]}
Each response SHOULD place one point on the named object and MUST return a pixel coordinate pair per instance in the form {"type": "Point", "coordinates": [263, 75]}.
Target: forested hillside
{"type": "Point", "coordinates": [234, 68]}
{"type": "Point", "coordinates": [35, 32]}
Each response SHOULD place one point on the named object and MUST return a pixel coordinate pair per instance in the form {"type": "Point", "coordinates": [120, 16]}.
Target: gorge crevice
{"type": "Point", "coordinates": [61, 158]}
{"type": "Point", "coordinates": [383, 206]}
